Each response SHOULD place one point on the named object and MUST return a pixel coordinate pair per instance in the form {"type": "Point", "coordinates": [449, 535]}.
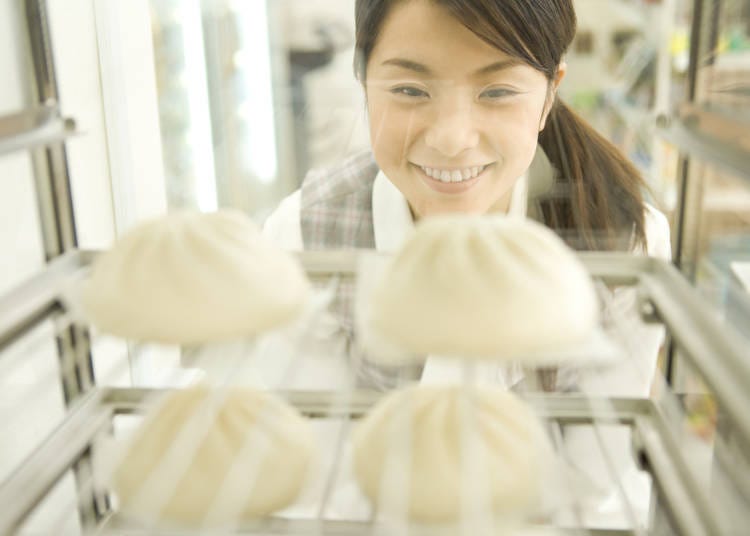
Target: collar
{"type": "Point", "coordinates": [391, 216]}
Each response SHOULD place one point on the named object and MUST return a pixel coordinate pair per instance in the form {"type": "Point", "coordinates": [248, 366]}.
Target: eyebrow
{"type": "Point", "coordinates": [423, 69]}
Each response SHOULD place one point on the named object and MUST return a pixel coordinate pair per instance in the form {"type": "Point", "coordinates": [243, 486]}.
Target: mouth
{"type": "Point", "coordinates": [453, 175]}
{"type": "Point", "coordinates": [452, 181]}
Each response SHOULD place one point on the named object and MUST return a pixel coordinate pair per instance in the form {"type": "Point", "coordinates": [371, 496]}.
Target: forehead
{"type": "Point", "coordinates": [426, 32]}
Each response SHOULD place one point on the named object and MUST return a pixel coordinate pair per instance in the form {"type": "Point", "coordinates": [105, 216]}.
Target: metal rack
{"type": "Point", "coordinates": [32, 128]}
{"type": "Point", "coordinates": [681, 506]}
{"type": "Point", "coordinates": [716, 352]}
{"type": "Point", "coordinates": [42, 131]}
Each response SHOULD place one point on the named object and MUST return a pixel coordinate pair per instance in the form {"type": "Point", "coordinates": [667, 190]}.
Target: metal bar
{"type": "Point", "coordinates": [32, 128]}
{"type": "Point", "coordinates": [619, 488]}
{"type": "Point", "coordinates": [697, 142]}
{"type": "Point", "coordinates": [686, 188]}
{"type": "Point", "coordinates": [335, 469]}
{"type": "Point", "coordinates": [57, 211]}
{"type": "Point", "coordinates": [57, 218]}
{"type": "Point", "coordinates": [702, 338]}
{"type": "Point", "coordinates": [29, 483]}
{"type": "Point", "coordinates": [277, 526]}
{"type": "Point", "coordinates": [568, 409]}
{"type": "Point", "coordinates": [26, 487]}
{"type": "Point", "coordinates": [713, 31]}
{"type": "Point", "coordinates": [695, 44]}
{"type": "Point", "coordinates": [688, 507]}
{"type": "Point", "coordinates": [37, 299]}
{"type": "Point", "coordinates": [613, 268]}
{"type": "Point", "coordinates": [683, 241]}
{"type": "Point", "coordinates": [328, 263]}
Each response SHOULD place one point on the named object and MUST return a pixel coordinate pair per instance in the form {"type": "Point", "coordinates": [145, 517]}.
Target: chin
{"type": "Point", "coordinates": [454, 209]}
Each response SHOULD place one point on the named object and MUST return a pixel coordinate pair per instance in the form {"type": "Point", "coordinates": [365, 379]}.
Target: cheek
{"type": "Point", "coordinates": [391, 130]}
{"type": "Point", "coordinates": [514, 130]}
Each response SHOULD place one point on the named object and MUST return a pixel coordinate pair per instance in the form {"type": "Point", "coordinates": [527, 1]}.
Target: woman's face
{"type": "Point", "coordinates": [454, 122]}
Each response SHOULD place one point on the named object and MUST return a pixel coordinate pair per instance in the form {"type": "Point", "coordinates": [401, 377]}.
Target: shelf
{"type": "Point", "coordinates": [633, 116]}
{"type": "Point", "coordinates": [710, 136]}
{"type": "Point", "coordinates": [32, 128]}
{"type": "Point", "coordinates": [36, 299]}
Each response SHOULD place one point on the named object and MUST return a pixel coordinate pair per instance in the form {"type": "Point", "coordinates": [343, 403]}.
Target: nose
{"type": "Point", "coordinates": [453, 131]}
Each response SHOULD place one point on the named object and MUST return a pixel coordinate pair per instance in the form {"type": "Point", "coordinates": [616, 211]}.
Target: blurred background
{"type": "Point", "coordinates": [228, 103]}
{"type": "Point", "coordinates": [208, 103]}
{"type": "Point", "coordinates": [217, 103]}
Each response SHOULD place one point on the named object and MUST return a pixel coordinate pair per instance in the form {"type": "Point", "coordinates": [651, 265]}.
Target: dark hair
{"type": "Point", "coordinates": [597, 201]}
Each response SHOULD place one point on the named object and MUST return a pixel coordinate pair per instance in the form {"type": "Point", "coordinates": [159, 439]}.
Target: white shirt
{"type": "Point", "coordinates": [393, 223]}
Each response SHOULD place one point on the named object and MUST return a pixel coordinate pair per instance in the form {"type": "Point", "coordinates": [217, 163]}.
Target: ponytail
{"type": "Point", "coordinates": [597, 202]}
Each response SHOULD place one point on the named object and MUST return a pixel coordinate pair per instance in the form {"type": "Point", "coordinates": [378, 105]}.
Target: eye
{"type": "Point", "coordinates": [496, 93]}
{"type": "Point", "coordinates": [410, 91]}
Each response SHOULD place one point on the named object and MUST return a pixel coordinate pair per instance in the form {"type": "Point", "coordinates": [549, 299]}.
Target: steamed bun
{"type": "Point", "coordinates": [450, 429]}
{"type": "Point", "coordinates": [208, 456]}
{"type": "Point", "coordinates": [484, 287]}
{"type": "Point", "coordinates": [191, 278]}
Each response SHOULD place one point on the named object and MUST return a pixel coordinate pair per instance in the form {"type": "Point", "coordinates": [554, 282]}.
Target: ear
{"type": "Point", "coordinates": [562, 70]}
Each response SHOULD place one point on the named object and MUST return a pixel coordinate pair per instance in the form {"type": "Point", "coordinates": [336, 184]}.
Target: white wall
{"type": "Point", "coordinates": [77, 64]}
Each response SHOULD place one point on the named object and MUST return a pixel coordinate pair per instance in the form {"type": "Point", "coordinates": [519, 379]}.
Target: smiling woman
{"type": "Point", "coordinates": [454, 122]}
{"type": "Point", "coordinates": [464, 117]}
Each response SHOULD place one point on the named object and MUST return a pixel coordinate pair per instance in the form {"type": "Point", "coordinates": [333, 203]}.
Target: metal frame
{"type": "Point", "coordinates": [686, 504]}
{"type": "Point", "coordinates": [53, 180]}
{"type": "Point", "coordinates": [32, 128]}
{"type": "Point", "coordinates": [43, 131]}
{"type": "Point", "coordinates": [668, 296]}
{"type": "Point", "coordinates": [693, 143]}
{"type": "Point", "coordinates": [716, 351]}
{"type": "Point", "coordinates": [54, 197]}
{"type": "Point", "coordinates": [695, 329]}
{"type": "Point", "coordinates": [38, 298]}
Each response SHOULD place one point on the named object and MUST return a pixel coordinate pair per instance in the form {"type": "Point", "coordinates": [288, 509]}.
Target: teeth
{"type": "Point", "coordinates": [457, 175]}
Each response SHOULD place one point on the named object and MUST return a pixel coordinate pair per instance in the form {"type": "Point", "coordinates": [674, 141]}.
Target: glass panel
{"type": "Point", "coordinates": [251, 95]}
{"type": "Point", "coordinates": [719, 232]}
{"type": "Point", "coordinates": [31, 398]}
{"type": "Point", "coordinates": [720, 465]}
{"type": "Point", "coordinates": [723, 254]}
{"type": "Point", "coordinates": [233, 100]}
{"type": "Point", "coordinates": [724, 66]}
{"type": "Point", "coordinates": [57, 513]}
{"type": "Point", "coordinates": [20, 235]}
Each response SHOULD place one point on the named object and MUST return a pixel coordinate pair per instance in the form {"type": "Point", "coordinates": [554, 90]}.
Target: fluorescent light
{"type": "Point", "coordinates": [257, 109]}
{"type": "Point", "coordinates": [199, 132]}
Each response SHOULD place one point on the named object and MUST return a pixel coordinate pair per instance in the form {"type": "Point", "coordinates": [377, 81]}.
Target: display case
{"type": "Point", "coordinates": [691, 436]}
